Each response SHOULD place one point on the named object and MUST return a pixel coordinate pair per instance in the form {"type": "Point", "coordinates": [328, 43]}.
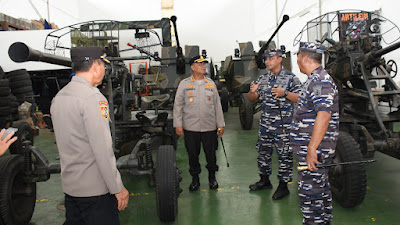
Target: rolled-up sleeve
{"type": "Point", "coordinates": [96, 123]}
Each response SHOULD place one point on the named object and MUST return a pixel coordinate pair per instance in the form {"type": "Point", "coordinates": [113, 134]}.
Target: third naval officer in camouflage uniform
{"type": "Point", "coordinates": [277, 90]}
{"type": "Point", "coordinates": [92, 184]}
{"type": "Point", "coordinates": [198, 116]}
{"type": "Point", "coordinates": [314, 134]}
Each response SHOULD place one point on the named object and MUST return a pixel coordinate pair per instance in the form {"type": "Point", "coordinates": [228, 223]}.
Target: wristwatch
{"type": "Point", "coordinates": [286, 93]}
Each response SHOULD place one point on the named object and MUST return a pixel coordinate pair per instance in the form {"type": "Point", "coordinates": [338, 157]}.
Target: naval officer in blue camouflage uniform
{"type": "Point", "coordinates": [277, 89]}
{"type": "Point", "coordinates": [314, 134]}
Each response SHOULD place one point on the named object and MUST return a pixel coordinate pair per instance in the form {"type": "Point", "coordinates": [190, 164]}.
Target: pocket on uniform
{"type": "Point", "coordinates": [210, 98]}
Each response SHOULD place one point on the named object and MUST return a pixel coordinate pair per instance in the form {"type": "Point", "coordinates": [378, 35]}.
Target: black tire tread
{"type": "Point", "coordinates": [10, 166]}
{"type": "Point", "coordinates": [246, 111]}
{"type": "Point", "coordinates": [167, 184]}
{"type": "Point", "coordinates": [354, 176]}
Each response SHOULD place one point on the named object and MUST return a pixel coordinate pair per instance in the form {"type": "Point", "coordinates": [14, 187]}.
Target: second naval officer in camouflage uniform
{"type": "Point", "coordinates": [314, 134]}
{"type": "Point", "coordinates": [276, 89]}
{"type": "Point", "coordinates": [198, 116]}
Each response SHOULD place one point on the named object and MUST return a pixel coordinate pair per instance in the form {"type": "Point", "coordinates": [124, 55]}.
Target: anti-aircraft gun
{"type": "Point", "coordinates": [140, 99]}
{"type": "Point", "coordinates": [356, 42]}
{"type": "Point", "coordinates": [246, 66]}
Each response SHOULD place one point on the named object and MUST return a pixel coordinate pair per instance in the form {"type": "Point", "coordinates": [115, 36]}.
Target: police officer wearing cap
{"type": "Point", "coordinates": [276, 89]}
{"type": "Point", "coordinates": [199, 118]}
{"type": "Point", "coordinates": [314, 134]}
{"type": "Point", "coordinates": [94, 192]}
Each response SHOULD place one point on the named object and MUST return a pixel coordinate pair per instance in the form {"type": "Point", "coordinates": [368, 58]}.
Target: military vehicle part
{"type": "Point", "coordinates": [167, 179]}
{"type": "Point", "coordinates": [355, 43]}
{"type": "Point", "coordinates": [17, 196]}
{"type": "Point", "coordinates": [246, 111]}
{"type": "Point", "coordinates": [180, 60]}
{"type": "Point", "coordinates": [348, 183]}
{"type": "Point", "coordinates": [260, 54]}
{"type": "Point", "coordinates": [136, 133]}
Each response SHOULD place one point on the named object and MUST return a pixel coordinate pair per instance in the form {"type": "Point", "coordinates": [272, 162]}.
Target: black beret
{"type": "Point", "coordinates": [87, 53]}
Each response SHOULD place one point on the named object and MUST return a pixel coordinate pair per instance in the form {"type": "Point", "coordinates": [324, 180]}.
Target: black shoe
{"type": "Point", "coordinates": [281, 191]}
{"type": "Point", "coordinates": [213, 184]}
{"type": "Point", "coordinates": [328, 223]}
{"type": "Point", "coordinates": [195, 184]}
{"type": "Point", "coordinates": [264, 183]}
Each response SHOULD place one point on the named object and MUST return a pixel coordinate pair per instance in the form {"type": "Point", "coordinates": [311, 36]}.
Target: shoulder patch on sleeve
{"type": "Point", "coordinates": [104, 109]}
{"type": "Point", "coordinates": [317, 90]}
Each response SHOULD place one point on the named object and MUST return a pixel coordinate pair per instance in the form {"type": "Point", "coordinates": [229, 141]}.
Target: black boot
{"type": "Point", "coordinates": [264, 183]}
{"type": "Point", "coordinates": [195, 183]}
{"type": "Point", "coordinates": [212, 181]}
{"type": "Point", "coordinates": [281, 191]}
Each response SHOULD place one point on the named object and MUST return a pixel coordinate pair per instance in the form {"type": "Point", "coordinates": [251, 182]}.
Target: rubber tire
{"type": "Point", "coordinates": [24, 133]}
{"type": "Point", "coordinates": [20, 77]}
{"type": "Point", "coordinates": [167, 183]}
{"type": "Point", "coordinates": [15, 208]}
{"type": "Point", "coordinates": [4, 83]}
{"type": "Point", "coordinates": [224, 99]}
{"type": "Point", "coordinates": [4, 91]}
{"type": "Point", "coordinates": [21, 83]}
{"type": "Point", "coordinates": [22, 90]}
{"type": "Point", "coordinates": [348, 182]}
{"type": "Point", "coordinates": [246, 112]}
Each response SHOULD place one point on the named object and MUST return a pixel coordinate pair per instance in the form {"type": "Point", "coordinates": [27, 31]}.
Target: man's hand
{"type": "Point", "coordinates": [179, 131]}
{"type": "Point", "coordinates": [123, 199]}
{"type": "Point", "coordinates": [278, 92]}
{"type": "Point", "coordinates": [254, 87]}
{"type": "Point", "coordinates": [312, 159]}
{"type": "Point", "coordinates": [220, 131]}
{"type": "Point", "coordinates": [6, 142]}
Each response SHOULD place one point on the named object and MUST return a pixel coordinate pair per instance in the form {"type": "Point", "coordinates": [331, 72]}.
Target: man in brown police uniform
{"type": "Point", "coordinates": [198, 116]}
{"type": "Point", "coordinates": [94, 192]}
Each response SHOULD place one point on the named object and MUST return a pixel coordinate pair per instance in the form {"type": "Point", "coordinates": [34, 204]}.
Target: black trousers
{"type": "Point", "coordinates": [193, 141]}
{"type": "Point", "coordinates": [96, 210]}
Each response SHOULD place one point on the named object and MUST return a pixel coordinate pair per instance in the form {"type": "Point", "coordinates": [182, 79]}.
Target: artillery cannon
{"type": "Point", "coordinates": [247, 66]}
{"type": "Point", "coordinates": [140, 108]}
{"type": "Point", "coordinates": [368, 95]}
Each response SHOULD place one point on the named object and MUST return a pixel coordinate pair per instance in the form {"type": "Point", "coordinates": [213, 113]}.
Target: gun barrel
{"type": "Point", "coordinates": [20, 52]}
{"type": "Point", "coordinates": [386, 50]}
{"type": "Point", "coordinates": [260, 54]}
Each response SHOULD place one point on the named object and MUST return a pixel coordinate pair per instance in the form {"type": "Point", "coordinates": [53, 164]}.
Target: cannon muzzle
{"type": "Point", "coordinates": [20, 52]}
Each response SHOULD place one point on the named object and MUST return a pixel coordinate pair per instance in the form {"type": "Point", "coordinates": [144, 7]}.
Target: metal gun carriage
{"type": "Point", "coordinates": [140, 99]}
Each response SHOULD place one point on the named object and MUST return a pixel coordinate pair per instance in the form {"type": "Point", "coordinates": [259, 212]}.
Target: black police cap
{"type": "Point", "coordinates": [87, 54]}
{"type": "Point", "coordinates": [197, 59]}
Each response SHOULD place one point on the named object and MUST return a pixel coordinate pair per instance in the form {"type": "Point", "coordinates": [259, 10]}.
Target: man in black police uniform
{"type": "Point", "coordinates": [90, 180]}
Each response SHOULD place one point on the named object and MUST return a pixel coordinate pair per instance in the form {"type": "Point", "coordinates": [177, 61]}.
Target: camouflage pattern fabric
{"type": "Point", "coordinates": [270, 132]}
{"type": "Point", "coordinates": [319, 93]}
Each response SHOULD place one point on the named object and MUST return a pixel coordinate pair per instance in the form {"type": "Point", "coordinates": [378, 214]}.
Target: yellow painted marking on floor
{"type": "Point", "coordinates": [290, 182]}
{"type": "Point", "coordinates": [368, 188]}
{"type": "Point", "coordinates": [373, 219]}
{"type": "Point", "coordinates": [388, 200]}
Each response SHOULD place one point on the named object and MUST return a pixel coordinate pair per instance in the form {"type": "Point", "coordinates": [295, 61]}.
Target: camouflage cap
{"type": "Point", "coordinates": [197, 59]}
{"type": "Point", "coordinates": [87, 53]}
{"type": "Point", "coordinates": [311, 47]}
{"type": "Point", "coordinates": [272, 52]}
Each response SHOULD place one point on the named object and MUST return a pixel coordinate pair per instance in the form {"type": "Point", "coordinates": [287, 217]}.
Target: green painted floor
{"type": "Point", "coordinates": [233, 203]}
